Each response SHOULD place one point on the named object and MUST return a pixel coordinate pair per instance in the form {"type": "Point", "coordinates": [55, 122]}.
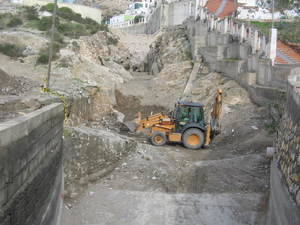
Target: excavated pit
{"type": "Point", "coordinates": [131, 105]}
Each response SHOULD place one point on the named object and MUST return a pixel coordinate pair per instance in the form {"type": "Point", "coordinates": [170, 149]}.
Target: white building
{"type": "Point", "coordinates": [136, 8]}
{"type": "Point", "coordinates": [247, 3]}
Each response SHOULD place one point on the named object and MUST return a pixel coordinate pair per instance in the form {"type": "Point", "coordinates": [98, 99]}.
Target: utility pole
{"type": "Point", "coordinates": [47, 81]}
{"type": "Point", "coordinates": [273, 8]}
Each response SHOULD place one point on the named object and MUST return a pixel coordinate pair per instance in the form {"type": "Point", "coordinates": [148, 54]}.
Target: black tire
{"type": "Point", "coordinates": [193, 138]}
{"type": "Point", "coordinates": [158, 138]}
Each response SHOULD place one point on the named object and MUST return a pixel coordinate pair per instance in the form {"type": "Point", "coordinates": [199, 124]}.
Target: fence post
{"type": "Point", "coordinates": [273, 45]}
{"type": "Point", "coordinates": [225, 25]}
{"type": "Point", "coordinates": [254, 42]}
{"type": "Point", "coordinates": [242, 33]}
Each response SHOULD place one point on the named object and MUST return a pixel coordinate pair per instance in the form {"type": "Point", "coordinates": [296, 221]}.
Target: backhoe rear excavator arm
{"type": "Point", "coordinates": [214, 125]}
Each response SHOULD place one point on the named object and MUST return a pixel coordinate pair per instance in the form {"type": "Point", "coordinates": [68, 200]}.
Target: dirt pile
{"type": "Point", "coordinates": [14, 85]}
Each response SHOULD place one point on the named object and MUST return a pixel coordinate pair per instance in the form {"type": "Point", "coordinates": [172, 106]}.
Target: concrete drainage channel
{"type": "Point", "coordinates": [111, 178]}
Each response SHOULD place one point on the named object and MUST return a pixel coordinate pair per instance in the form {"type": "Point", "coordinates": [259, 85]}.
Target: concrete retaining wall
{"type": "Point", "coordinates": [282, 208]}
{"type": "Point", "coordinates": [150, 27]}
{"type": "Point", "coordinates": [165, 15]}
{"type": "Point", "coordinates": [135, 29]}
{"type": "Point", "coordinates": [279, 84]}
{"type": "Point", "coordinates": [176, 13]}
{"type": "Point", "coordinates": [225, 54]}
{"type": "Point", "coordinates": [31, 167]}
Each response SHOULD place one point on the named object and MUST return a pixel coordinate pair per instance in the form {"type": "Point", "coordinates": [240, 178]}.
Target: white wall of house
{"type": "Point", "coordinates": [248, 3]}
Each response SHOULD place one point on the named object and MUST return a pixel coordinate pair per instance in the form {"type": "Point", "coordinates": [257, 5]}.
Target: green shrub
{"type": "Point", "coordinates": [49, 7]}
{"type": "Point", "coordinates": [46, 23]}
{"type": "Point", "coordinates": [73, 30]}
{"type": "Point", "coordinates": [14, 21]}
{"type": "Point", "coordinates": [58, 38]}
{"type": "Point", "coordinates": [43, 57]}
{"type": "Point", "coordinates": [31, 13]}
{"type": "Point", "coordinates": [188, 54]}
{"type": "Point", "coordinates": [12, 50]}
{"type": "Point", "coordinates": [66, 13]}
{"type": "Point", "coordinates": [137, 19]}
{"type": "Point", "coordinates": [112, 41]}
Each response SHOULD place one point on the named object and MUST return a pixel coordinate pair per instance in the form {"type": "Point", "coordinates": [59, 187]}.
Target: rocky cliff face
{"type": "Point", "coordinates": [171, 47]}
{"type": "Point", "coordinates": [108, 7]}
{"type": "Point", "coordinates": [100, 60]}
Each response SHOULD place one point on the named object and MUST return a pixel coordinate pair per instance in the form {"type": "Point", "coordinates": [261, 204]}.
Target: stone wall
{"type": "Point", "coordinates": [31, 167]}
{"type": "Point", "coordinates": [90, 154]}
{"type": "Point", "coordinates": [288, 140]}
{"type": "Point", "coordinates": [284, 206]}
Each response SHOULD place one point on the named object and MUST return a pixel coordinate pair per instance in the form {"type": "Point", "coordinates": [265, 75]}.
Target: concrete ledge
{"type": "Point", "coordinates": [17, 128]}
{"type": "Point", "coordinates": [31, 167]}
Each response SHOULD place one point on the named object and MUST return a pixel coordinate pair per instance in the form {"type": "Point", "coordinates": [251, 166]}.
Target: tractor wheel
{"type": "Point", "coordinates": [158, 138]}
{"type": "Point", "coordinates": [193, 138]}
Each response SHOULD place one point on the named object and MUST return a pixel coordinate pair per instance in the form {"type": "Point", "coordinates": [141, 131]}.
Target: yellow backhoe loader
{"type": "Point", "coordinates": [185, 124]}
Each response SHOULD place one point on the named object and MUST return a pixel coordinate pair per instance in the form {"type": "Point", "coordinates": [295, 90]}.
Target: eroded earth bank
{"type": "Point", "coordinates": [115, 177]}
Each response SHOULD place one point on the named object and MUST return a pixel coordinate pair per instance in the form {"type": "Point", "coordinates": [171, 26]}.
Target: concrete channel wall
{"type": "Point", "coordinates": [31, 181]}
{"type": "Point", "coordinates": [284, 204]}
{"type": "Point", "coordinates": [278, 84]}
{"type": "Point", "coordinates": [245, 57]}
{"type": "Point", "coordinates": [266, 83]}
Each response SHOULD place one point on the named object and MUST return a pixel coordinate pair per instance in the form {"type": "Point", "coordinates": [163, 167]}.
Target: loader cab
{"type": "Point", "coordinates": [188, 114]}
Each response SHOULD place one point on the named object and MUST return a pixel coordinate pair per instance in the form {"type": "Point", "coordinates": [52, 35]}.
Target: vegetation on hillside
{"type": "Point", "coordinates": [287, 31]}
{"type": "Point", "coordinates": [68, 24]}
{"type": "Point", "coordinates": [287, 4]}
{"type": "Point", "coordinates": [11, 50]}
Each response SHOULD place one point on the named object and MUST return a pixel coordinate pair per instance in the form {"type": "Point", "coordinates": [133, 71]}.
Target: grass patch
{"type": "Point", "coordinates": [11, 50]}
